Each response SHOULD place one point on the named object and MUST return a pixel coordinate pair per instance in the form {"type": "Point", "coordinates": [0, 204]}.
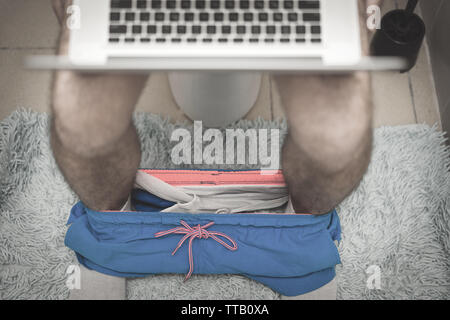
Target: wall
{"type": "Point", "coordinates": [436, 14]}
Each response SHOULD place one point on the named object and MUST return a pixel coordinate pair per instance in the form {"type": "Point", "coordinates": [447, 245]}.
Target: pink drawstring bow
{"type": "Point", "coordinates": [196, 232]}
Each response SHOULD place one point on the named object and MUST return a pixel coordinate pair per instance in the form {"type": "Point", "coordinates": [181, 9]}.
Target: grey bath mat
{"type": "Point", "coordinates": [397, 222]}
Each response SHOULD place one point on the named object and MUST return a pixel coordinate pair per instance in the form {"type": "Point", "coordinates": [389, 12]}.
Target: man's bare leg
{"type": "Point", "coordinates": [328, 146]}
{"type": "Point", "coordinates": [95, 146]}
{"type": "Point", "coordinates": [93, 138]}
{"type": "Point", "coordinates": [329, 142]}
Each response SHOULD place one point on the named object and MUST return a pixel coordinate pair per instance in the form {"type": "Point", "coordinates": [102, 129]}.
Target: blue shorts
{"type": "Point", "coordinates": [291, 253]}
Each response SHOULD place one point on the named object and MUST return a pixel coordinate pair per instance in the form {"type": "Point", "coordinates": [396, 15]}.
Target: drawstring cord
{"type": "Point", "coordinates": [196, 232]}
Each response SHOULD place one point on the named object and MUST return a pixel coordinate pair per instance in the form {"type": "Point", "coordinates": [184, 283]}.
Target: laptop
{"type": "Point", "coordinates": [288, 35]}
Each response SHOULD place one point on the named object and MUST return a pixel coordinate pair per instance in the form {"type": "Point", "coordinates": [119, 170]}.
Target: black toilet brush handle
{"type": "Point", "coordinates": [411, 6]}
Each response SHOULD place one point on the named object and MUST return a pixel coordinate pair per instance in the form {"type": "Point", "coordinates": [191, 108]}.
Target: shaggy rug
{"type": "Point", "coordinates": [395, 225]}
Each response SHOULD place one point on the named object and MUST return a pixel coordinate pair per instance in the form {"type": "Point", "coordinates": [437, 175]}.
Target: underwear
{"type": "Point", "coordinates": [209, 222]}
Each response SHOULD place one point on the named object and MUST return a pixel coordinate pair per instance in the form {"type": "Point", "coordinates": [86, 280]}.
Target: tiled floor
{"type": "Point", "coordinates": [29, 27]}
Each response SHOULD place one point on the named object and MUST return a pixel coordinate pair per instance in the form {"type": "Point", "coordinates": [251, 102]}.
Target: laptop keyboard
{"type": "Point", "coordinates": [221, 21]}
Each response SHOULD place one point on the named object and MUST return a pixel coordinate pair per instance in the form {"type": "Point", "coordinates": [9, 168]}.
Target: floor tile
{"type": "Point", "coordinates": [446, 120]}
{"type": "Point", "coordinates": [423, 91]}
{"type": "Point", "coordinates": [27, 24]}
{"type": "Point", "coordinates": [388, 5]}
{"type": "Point", "coordinates": [20, 87]}
{"type": "Point", "coordinates": [392, 99]}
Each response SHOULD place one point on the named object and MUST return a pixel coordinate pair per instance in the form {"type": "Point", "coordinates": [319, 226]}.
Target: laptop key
{"type": "Point", "coordinates": [218, 16]}
{"type": "Point", "coordinates": [181, 29]}
{"type": "Point", "coordinates": [226, 29]}
{"type": "Point", "coordinates": [277, 16]}
{"type": "Point", "coordinates": [118, 29]}
{"type": "Point", "coordinates": [121, 4]}
{"type": "Point", "coordinates": [174, 16]}
{"type": "Point", "coordinates": [229, 4]}
{"type": "Point", "coordinates": [185, 4]}
{"type": "Point", "coordinates": [188, 16]}
{"type": "Point", "coordinates": [288, 4]}
{"type": "Point", "coordinates": [141, 4]}
{"type": "Point", "coordinates": [273, 4]}
{"type": "Point", "coordinates": [309, 17]}
{"type": "Point", "coordinates": [215, 4]}
{"type": "Point", "coordinates": [256, 29]}
{"type": "Point", "coordinates": [316, 29]}
{"type": "Point", "coordinates": [263, 16]}
{"type": "Point", "coordinates": [270, 29]}
{"type": "Point", "coordinates": [259, 4]}
{"type": "Point", "coordinates": [244, 4]}
{"type": "Point", "coordinates": [285, 29]}
{"type": "Point", "coordinates": [130, 16]}
{"type": "Point", "coordinates": [300, 29]}
{"type": "Point", "coordinates": [152, 29]}
{"type": "Point", "coordinates": [309, 4]}
{"type": "Point", "coordinates": [248, 16]}
{"type": "Point", "coordinates": [292, 16]}
{"type": "Point", "coordinates": [233, 16]}
{"type": "Point", "coordinates": [166, 29]}
{"type": "Point", "coordinates": [136, 29]}
{"type": "Point", "coordinates": [204, 16]}
{"type": "Point", "coordinates": [114, 16]}
{"type": "Point", "coordinates": [211, 29]}
{"type": "Point", "coordinates": [156, 4]}
{"type": "Point", "coordinates": [144, 16]}
{"type": "Point", "coordinates": [200, 4]}
{"type": "Point", "coordinates": [171, 4]}
{"type": "Point", "coordinates": [240, 29]}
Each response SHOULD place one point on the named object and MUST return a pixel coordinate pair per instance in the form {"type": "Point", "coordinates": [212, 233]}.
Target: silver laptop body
{"type": "Point", "coordinates": [310, 35]}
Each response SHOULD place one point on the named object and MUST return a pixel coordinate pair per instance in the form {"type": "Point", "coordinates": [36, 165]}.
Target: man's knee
{"type": "Point", "coordinates": [83, 127]}
{"type": "Point", "coordinates": [90, 143]}
{"type": "Point", "coordinates": [86, 139]}
{"type": "Point", "coordinates": [338, 141]}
